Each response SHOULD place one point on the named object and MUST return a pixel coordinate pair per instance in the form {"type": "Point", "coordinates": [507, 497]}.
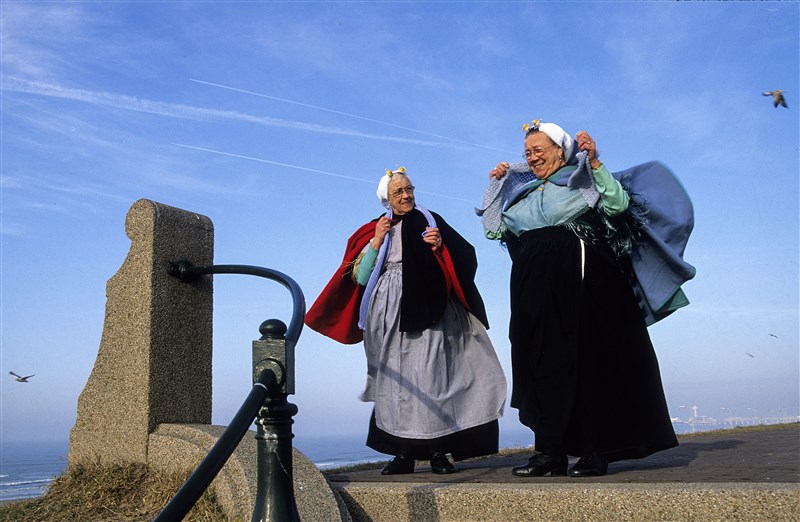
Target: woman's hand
{"type": "Point", "coordinates": [585, 142]}
{"type": "Point", "coordinates": [382, 228]}
{"type": "Point", "coordinates": [499, 171]}
{"type": "Point", "coordinates": [433, 238]}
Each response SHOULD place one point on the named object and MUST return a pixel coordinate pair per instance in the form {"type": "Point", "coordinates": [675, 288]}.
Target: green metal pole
{"type": "Point", "coordinates": [275, 497]}
{"type": "Point", "coordinates": [275, 488]}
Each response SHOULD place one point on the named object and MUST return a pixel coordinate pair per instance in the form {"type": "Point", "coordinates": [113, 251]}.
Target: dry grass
{"type": "Point", "coordinates": [93, 492]}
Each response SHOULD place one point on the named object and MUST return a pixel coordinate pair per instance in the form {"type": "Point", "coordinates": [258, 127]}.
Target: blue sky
{"type": "Point", "coordinates": [277, 119]}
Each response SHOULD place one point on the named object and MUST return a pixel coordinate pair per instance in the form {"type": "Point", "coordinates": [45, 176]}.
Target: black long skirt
{"type": "Point", "coordinates": [471, 442]}
{"type": "Point", "coordinates": [585, 375]}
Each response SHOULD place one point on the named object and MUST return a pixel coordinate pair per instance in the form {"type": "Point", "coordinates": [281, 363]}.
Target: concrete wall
{"type": "Point", "coordinates": [148, 398]}
{"type": "Point", "coordinates": [154, 362]}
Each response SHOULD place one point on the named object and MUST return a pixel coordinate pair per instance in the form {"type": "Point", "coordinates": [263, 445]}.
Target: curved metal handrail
{"type": "Point", "coordinates": [191, 491]}
{"type": "Point", "coordinates": [267, 400]}
{"type": "Point", "coordinates": [185, 271]}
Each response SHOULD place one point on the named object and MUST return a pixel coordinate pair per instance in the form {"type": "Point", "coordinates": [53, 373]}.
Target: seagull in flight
{"type": "Point", "coordinates": [20, 378]}
{"type": "Point", "coordinates": [777, 98]}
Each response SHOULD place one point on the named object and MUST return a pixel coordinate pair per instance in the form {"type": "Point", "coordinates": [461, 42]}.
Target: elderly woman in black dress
{"type": "Point", "coordinates": [585, 377]}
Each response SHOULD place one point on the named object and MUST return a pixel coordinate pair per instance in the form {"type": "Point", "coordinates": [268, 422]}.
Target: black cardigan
{"type": "Point", "coordinates": [424, 284]}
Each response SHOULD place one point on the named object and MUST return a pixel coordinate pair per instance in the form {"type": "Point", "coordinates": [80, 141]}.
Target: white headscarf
{"type": "Point", "coordinates": [383, 185]}
{"type": "Point", "coordinates": [560, 138]}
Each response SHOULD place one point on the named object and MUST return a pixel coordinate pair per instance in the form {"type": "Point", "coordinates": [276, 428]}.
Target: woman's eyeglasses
{"type": "Point", "coordinates": [399, 192]}
{"type": "Point", "coordinates": [537, 151]}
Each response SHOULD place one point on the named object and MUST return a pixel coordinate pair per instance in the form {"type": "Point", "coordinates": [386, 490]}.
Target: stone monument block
{"type": "Point", "coordinates": [154, 361]}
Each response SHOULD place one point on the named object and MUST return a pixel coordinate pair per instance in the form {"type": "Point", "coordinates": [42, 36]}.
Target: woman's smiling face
{"type": "Point", "coordinates": [401, 195]}
{"type": "Point", "coordinates": [543, 156]}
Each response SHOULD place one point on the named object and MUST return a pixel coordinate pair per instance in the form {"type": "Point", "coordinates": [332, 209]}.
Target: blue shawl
{"type": "Point", "coordinates": [659, 206]}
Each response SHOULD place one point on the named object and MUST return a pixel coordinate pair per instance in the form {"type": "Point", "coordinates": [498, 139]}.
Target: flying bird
{"type": "Point", "coordinates": [751, 355]}
{"type": "Point", "coordinates": [777, 98]}
{"type": "Point", "coordinates": [20, 378]}
{"type": "Point", "coordinates": [773, 335]}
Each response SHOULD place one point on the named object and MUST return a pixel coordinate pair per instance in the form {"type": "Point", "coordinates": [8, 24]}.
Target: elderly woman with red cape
{"type": "Point", "coordinates": [406, 287]}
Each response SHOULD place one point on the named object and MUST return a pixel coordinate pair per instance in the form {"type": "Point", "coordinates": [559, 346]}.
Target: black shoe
{"type": "Point", "coordinates": [590, 466]}
{"type": "Point", "coordinates": [440, 464]}
{"type": "Point", "coordinates": [399, 465]}
{"type": "Point", "coordinates": [541, 464]}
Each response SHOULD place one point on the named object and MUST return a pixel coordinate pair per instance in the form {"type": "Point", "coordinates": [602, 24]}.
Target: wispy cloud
{"type": "Point", "coordinates": [183, 111]}
{"type": "Point", "coordinates": [178, 178]}
{"type": "Point", "coordinates": [35, 35]}
{"type": "Point", "coordinates": [8, 182]}
{"type": "Point", "coordinates": [14, 229]}
{"type": "Point", "coordinates": [349, 115]}
{"type": "Point", "coordinates": [69, 193]}
{"type": "Point", "coordinates": [306, 169]}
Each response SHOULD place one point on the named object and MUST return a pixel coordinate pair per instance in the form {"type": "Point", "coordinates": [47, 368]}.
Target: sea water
{"type": "Point", "coordinates": [28, 467]}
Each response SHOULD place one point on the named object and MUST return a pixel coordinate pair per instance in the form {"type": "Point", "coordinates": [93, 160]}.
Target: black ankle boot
{"type": "Point", "coordinates": [440, 464]}
{"type": "Point", "coordinates": [541, 464]}
{"type": "Point", "coordinates": [590, 466]}
{"type": "Point", "coordinates": [399, 465]}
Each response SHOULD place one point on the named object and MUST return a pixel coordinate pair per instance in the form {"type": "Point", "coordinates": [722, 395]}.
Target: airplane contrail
{"type": "Point", "coordinates": [349, 115]}
{"type": "Point", "coordinates": [298, 167]}
{"type": "Point", "coordinates": [183, 111]}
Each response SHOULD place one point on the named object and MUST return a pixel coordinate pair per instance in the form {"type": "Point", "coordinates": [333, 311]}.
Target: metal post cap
{"type": "Point", "coordinates": [272, 329]}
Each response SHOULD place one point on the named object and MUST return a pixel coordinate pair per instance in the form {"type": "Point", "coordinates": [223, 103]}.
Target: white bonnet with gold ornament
{"type": "Point", "coordinates": [383, 185]}
{"type": "Point", "coordinates": [558, 135]}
